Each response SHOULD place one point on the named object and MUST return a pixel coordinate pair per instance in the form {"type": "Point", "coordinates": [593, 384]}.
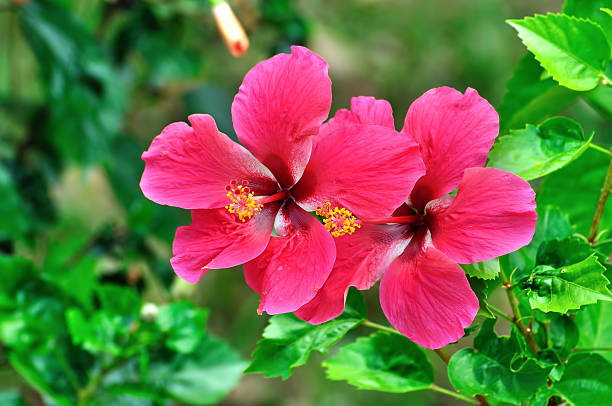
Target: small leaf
{"type": "Point", "coordinates": [531, 96]}
{"type": "Point", "coordinates": [574, 51]}
{"type": "Point", "coordinates": [183, 325]}
{"type": "Point", "coordinates": [537, 151]}
{"type": "Point", "coordinates": [587, 381]}
{"type": "Point", "coordinates": [483, 270]}
{"type": "Point", "coordinates": [561, 289]}
{"type": "Point", "coordinates": [487, 369]}
{"type": "Point", "coordinates": [384, 362]}
{"type": "Point", "coordinates": [288, 341]}
{"type": "Point", "coordinates": [200, 378]}
{"type": "Point", "coordinates": [479, 287]}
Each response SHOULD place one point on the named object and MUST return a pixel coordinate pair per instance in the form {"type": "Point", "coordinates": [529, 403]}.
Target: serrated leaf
{"type": "Point", "coordinates": [587, 381]}
{"type": "Point", "coordinates": [488, 369]}
{"type": "Point", "coordinates": [384, 362]}
{"type": "Point", "coordinates": [531, 96]}
{"type": "Point", "coordinates": [569, 287]}
{"type": "Point", "coordinates": [574, 51]}
{"type": "Point", "coordinates": [594, 10]}
{"type": "Point", "coordinates": [288, 341]}
{"type": "Point", "coordinates": [562, 252]}
{"type": "Point", "coordinates": [479, 287]}
{"type": "Point", "coordinates": [536, 151]}
{"type": "Point", "coordinates": [580, 182]}
{"type": "Point", "coordinates": [595, 326]}
{"type": "Point", "coordinates": [483, 270]}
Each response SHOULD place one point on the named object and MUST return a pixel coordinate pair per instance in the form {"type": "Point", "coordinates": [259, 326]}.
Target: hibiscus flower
{"type": "Point", "coordinates": [291, 165]}
{"type": "Point", "coordinates": [424, 292]}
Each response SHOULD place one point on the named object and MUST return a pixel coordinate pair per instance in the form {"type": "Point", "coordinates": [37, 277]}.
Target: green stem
{"type": "Point", "coordinates": [455, 395]}
{"type": "Point", "coordinates": [500, 313]}
{"type": "Point", "coordinates": [380, 327]}
{"type": "Point", "coordinates": [445, 356]}
{"type": "Point", "coordinates": [599, 148]}
{"type": "Point", "coordinates": [516, 318]}
{"type": "Point", "coordinates": [601, 204]}
{"type": "Point", "coordinates": [592, 349]}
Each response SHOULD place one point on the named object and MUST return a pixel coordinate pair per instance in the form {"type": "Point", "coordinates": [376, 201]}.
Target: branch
{"type": "Point", "coordinates": [601, 204]}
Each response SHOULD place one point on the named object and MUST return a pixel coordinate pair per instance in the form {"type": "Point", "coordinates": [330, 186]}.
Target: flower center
{"type": "Point", "coordinates": [338, 221]}
{"type": "Point", "coordinates": [243, 203]}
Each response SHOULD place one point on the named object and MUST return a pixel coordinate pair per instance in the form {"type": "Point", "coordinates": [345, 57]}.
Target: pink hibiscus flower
{"type": "Point", "coordinates": [423, 292]}
{"type": "Point", "coordinates": [293, 165]}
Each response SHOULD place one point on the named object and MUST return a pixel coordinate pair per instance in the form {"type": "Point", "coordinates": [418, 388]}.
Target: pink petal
{"type": "Point", "coordinates": [455, 131]}
{"type": "Point", "coordinates": [294, 266]}
{"type": "Point", "coordinates": [280, 106]}
{"type": "Point", "coordinates": [364, 110]}
{"type": "Point", "coordinates": [493, 214]}
{"type": "Point", "coordinates": [190, 167]}
{"type": "Point", "coordinates": [216, 239]}
{"type": "Point", "coordinates": [427, 297]}
{"type": "Point", "coordinates": [368, 169]}
{"type": "Point", "coordinates": [361, 259]}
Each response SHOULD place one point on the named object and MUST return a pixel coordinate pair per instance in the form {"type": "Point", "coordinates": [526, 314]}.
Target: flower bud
{"type": "Point", "coordinates": [231, 29]}
{"type": "Point", "coordinates": [149, 312]}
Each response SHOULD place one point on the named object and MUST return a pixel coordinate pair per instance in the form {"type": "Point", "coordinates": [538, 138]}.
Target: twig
{"type": "Point", "coordinates": [601, 205]}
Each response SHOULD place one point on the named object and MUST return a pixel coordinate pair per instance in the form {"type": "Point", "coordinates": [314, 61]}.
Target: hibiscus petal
{"type": "Point", "coordinates": [368, 169]}
{"type": "Point", "coordinates": [492, 215]}
{"type": "Point", "coordinates": [361, 259]}
{"type": "Point", "coordinates": [455, 131]}
{"type": "Point", "coordinates": [280, 106]}
{"type": "Point", "coordinates": [427, 298]}
{"type": "Point", "coordinates": [294, 266]}
{"type": "Point", "coordinates": [190, 167]}
{"type": "Point", "coordinates": [216, 239]}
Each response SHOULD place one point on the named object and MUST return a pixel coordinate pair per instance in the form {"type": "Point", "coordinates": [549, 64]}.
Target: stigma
{"type": "Point", "coordinates": [338, 221]}
{"type": "Point", "coordinates": [243, 203]}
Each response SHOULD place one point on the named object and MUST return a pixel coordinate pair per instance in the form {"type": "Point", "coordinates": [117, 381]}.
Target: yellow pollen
{"type": "Point", "coordinates": [243, 203]}
{"type": "Point", "coordinates": [338, 221]}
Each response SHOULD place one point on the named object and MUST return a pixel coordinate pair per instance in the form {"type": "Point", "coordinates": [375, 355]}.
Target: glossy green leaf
{"type": "Point", "coordinates": [537, 151]}
{"type": "Point", "coordinates": [595, 326]}
{"type": "Point", "coordinates": [384, 362]}
{"type": "Point", "coordinates": [569, 287]}
{"type": "Point", "coordinates": [487, 368]}
{"type": "Point", "coordinates": [575, 188]}
{"type": "Point", "coordinates": [183, 326]}
{"type": "Point", "coordinates": [532, 95]}
{"type": "Point", "coordinates": [483, 270]}
{"type": "Point", "coordinates": [587, 381]}
{"type": "Point", "coordinates": [594, 10]}
{"type": "Point", "coordinates": [288, 341]}
{"type": "Point", "coordinates": [574, 51]}
{"type": "Point", "coordinates": [479, 288]}
{"type": "Point", "coordinates": [202, 377]}
{"type": "Point", "coordinates": [563, 335]}
{"type": "Point", "coordinates": [101, 333]}
{"type": "Point", "coordinates": [558, 253]}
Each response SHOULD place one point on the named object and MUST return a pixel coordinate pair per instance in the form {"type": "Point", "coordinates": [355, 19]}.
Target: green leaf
{"type": "Point", "coordinates": [288, 341]}
{"type": "Point", "coordinates": [600, 99]}
{"type": "Point", "coordinates": [487, 368]}
{"type": "Point", "coordinates": [595, 326]}
{"type": "Point", "coordinates": [116, 299]}
{"type": "Point", "coordinates": [102, 333]}
{"type": "Point", "coordinates": [483, 270]}
{"type": "Point", "coordinates": [183, 326]}
{"type": "Point", "coordinates": [569, 287]}
{"type": "Point", "coordinates": [202, 377]}
{"type": "Point", "coordinates": [574, 51]}
{"type": "Point", "coordinates": [558, 253]}
{"type": "Point", "coordinates": [563, 335]}
{"type": "Point", "coordinates": [594, 10]}
{"type": "Point", "coordinates": [479, 287]}
{"type": "Point", "coordinates": [580, 182]}
{"type": "Point", "coordinates": [384, 362]}
{"type": "Point", "coordinates": [587, 381]}
{"type": "Point", "coordinates": [532, 96]}
{"type": "Point", "coordinates": [537, 151]}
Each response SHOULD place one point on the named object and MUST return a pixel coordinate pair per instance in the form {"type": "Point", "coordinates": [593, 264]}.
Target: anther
{"type": "Point", "coordinates": [338, 221]}
{"type": "Point", "coordinates": [243, 203]}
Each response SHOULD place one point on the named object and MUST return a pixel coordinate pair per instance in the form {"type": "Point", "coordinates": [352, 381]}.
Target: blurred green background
{"type": "Point", "coordinates": [85, 85]}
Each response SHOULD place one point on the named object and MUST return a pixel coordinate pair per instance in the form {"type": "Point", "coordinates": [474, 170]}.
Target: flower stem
{"type": "Point", "coordinates": [455, 395]}
{"type": "Point", "coordinates": [601, 204]}
{"type": "Point", "coordinates": [443, 354]}
{"type": "Point", "coordinates": [377, 326]}
{"type": "Point", "coordinates": [516, 318]}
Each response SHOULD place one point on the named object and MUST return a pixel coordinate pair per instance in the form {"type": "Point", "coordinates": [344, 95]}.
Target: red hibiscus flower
{"type": "Point", "coordinates": [423, 292]}
{"type": "Point", "coordinates": [291, 165]}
